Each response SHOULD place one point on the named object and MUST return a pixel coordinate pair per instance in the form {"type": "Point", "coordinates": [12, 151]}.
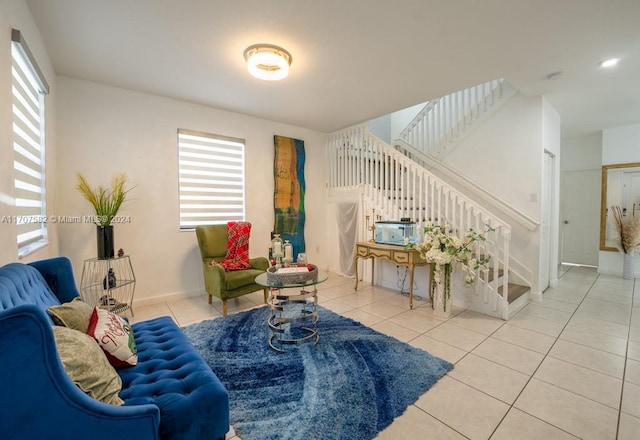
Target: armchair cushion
{"type": "Point", "coordinates": [241, 278]}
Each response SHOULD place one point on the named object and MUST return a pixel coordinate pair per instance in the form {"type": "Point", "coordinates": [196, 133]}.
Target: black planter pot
{"type": "Point", "coordinates": [105, 242]}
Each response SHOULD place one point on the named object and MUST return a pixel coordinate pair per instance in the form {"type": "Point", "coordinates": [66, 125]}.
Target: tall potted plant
{"type": "Point", "coordinates": [106, 202]}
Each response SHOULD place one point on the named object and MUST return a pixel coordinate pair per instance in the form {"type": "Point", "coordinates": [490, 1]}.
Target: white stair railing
{"type": "Point", "coordinates": [435, 128]}
{"type": "Point", "coordinates": [400, 188]}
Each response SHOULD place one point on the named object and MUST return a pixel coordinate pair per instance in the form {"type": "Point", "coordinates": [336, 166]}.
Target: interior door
{"type": "Point", "coordinates": [581, 216]}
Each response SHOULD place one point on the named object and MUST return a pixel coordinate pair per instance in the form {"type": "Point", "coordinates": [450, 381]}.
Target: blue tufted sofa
{"type": "Point", "coordinates": [171, 394]}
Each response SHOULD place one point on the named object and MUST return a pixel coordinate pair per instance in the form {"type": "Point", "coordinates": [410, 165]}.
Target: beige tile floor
{"type": "Point", "coordinates": [564, 368]}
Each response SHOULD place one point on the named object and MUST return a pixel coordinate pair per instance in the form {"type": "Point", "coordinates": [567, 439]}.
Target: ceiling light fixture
{"type": "Point", "coordinates": [609, 62]}
{"type": "Point", "coordinates": [268, 62]}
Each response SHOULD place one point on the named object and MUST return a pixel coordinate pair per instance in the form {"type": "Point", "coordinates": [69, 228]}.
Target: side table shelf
{"type": "Point", "coordinates": [110, 292]}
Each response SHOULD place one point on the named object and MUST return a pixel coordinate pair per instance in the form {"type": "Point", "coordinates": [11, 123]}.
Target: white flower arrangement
{"type": "Point", "coordinates": [440, 246]}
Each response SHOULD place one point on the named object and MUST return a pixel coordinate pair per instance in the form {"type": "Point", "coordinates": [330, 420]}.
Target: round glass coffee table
{"type": "Point", "coordinates": [294, 311]}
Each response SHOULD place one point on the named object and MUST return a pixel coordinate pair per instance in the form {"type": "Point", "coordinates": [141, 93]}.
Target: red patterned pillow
{"type": "Point", "coordinates": [115, 337]}
{"type": "Point", "coordinates": [237, 247]}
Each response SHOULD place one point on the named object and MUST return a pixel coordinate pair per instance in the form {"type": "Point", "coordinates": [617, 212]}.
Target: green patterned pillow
{"type": "Point", "coordinates": [74, 314]}
{"type": "Point", "coordinates": [87, 366]}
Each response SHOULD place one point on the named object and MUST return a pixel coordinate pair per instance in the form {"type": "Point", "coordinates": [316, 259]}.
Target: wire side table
{"type": "Point", "coordinates": [294, 313]}
{"type": "Point", "coordinates": [108, 283]}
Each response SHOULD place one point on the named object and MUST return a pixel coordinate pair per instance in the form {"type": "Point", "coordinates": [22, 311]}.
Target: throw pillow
{"type": "Point", "coordinates": [237, 246]}
{"type": "Point", "coordinates": [74, 314]}
{"type": "Point", "coordinates": [115, 336]}
{"type": "Point", "coordinates": [87, 366]}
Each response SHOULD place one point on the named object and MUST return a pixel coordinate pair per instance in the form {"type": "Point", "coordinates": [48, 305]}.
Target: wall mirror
{"type": "Point", "coordinates": [620, 187]}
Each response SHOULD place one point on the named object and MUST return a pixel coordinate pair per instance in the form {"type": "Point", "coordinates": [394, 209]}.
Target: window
{"type": "Point", "coordinates": [211, 179]}
{"type": "Point", "coordinates": [29, 89]}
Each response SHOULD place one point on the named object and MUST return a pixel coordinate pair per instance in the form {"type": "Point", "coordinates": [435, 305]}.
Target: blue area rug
{"type": "Point", "coordinates": [349, 386]}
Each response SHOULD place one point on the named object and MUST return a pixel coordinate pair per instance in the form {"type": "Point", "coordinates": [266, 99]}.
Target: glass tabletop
{"type": "Point", "coordinates": [263, 281]}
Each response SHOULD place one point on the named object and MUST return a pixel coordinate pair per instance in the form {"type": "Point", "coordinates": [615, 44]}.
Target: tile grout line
{"type": "Point", "coordinates": [626, 358]}
{"type": "Point", "coordinates": [538, 367]}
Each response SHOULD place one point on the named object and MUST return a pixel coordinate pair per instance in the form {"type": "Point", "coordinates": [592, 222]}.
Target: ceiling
{"type": "Point", "coordinates": [354, 60]}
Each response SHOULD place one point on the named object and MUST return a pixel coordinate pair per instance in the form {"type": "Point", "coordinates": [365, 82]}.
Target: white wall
{"type": "Point", "coordinates": [15, 14]}
{"type": "Point", "coordinates": [619, 145]}
{"type": "Point", "coordinates": [104, 130]}
{"type": "Point", "coordinates": [510, 148]}
{"type": "Point", "coordinates": [582, 152]}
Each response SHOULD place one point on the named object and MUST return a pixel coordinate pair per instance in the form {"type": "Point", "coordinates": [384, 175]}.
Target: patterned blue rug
{"type": "Point", "coordinates": [349, 386]}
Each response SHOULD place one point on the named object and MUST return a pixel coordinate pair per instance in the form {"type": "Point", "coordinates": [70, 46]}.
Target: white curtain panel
{"type": "Point", "coordinates": [348, 219]}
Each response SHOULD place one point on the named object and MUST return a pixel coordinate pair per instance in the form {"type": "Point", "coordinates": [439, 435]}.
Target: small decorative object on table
{"type": "Point", "coordinates": [277, 252]}
{"type": "Point", "coordinates": [291, 275]}
{"type": "Point", "coordinates": [628, 228]}
{"type": "Point", "coordinates": [441, 248]}
{"type": "Point", "coordinates": [111, 277]}
{"type": "Point", "coordinates": [288, 253]}
{"type": "Point", "coordinates": [372, 227]}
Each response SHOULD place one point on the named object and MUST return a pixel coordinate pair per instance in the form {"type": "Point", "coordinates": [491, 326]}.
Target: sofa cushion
{"type": "Point", "coordinates": [115, 337]}
{"type": "Point", "coordinates": [74, 314]}
{"type": "Point", "coordinates": [87, 366]}
{"type": "Point", "coordinates": [171, 374]}
{"type": "Point", "coordinates": [242, 278]}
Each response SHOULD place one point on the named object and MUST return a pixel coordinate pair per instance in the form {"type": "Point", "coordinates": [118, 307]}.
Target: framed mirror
{"type": "Point", "coordinates": [620, 187]}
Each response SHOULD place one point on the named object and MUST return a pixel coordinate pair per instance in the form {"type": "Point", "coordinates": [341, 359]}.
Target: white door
{"type": "Point", "coordinates": [581, 216]}
{"type": "Point", "coordinates": [545, 225]}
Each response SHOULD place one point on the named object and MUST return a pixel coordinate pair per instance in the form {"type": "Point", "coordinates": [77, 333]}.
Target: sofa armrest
{"type": "Point", "coordinates": [58, 274]}
{"type": "Point", "coordinates": [260, 263]}
{"type": "Point", "coordinates": [39, 400]}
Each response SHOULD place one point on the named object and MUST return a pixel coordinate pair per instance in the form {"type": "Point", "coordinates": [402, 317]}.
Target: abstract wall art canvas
{"type": "Point", "coordinates": [289, 189]}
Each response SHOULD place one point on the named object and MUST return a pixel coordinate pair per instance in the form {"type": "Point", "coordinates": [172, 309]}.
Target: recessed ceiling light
{"type": "Point", "coordinates": [609, 62]}
{"type": "Point", "coordinates": [268, 62]}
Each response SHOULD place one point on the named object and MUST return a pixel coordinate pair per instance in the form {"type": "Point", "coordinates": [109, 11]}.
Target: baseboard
{"type": "Point", "coordinates": [536, 296]}
{"type": "Point", "coordinates": [167, 297]}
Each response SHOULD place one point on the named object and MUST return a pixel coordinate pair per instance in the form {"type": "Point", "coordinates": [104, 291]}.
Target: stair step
{"type": "Point", "coordinates": [500, 273]}
{"type": "Point", "coordinates": [515, 291]}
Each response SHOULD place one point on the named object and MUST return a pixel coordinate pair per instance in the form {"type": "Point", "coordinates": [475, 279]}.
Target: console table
{"type": "Point", "coordinates": [398, 255]}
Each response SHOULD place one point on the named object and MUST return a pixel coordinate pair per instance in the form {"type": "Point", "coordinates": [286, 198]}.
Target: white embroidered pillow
{"type": "Point", "coordinates": [115, 336]}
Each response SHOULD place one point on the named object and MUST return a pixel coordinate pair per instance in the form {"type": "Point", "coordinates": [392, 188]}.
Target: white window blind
{"type": "Point", "coordinates": [211, 179]}
{"type": "Point", "coordinates": [29, 89]}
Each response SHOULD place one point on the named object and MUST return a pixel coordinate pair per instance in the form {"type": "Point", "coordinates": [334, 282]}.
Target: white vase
{"type": "Point", "coordinates": [628, 266]}
{"type": "Point", "coordinates": [441, 307]}
{"type": "Point", "coordinates": [440, 278]}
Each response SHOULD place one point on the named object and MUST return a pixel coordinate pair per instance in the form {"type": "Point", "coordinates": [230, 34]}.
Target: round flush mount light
{"type": "Point", "coordinates": [609, 62]}
{"type": "Point", "coordinates": [268, 62]}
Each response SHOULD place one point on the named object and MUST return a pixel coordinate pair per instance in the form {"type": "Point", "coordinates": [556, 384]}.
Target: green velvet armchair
{"type": "Point", "coordinates": [212, 240]}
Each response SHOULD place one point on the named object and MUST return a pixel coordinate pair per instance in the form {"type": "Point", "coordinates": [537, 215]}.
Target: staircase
{"type": "Point", "coordinates": [397, 186]}
{"type": "Point", "coordinates": [444, 122]}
